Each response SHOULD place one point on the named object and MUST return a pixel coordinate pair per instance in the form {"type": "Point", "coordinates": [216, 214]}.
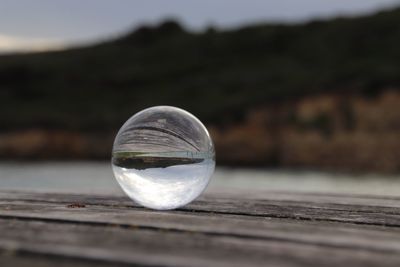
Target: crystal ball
{"type": "Point", "coordinates": [163, 157]}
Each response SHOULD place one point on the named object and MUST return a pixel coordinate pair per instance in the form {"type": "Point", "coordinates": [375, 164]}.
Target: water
{"type": "Point", "coordinates": [163, 157]}
{"type": "Point", "coordinates": [97, 178]}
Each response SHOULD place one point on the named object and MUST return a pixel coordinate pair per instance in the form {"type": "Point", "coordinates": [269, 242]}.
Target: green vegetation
{"type": "Point", "coordinates": [215, 75]}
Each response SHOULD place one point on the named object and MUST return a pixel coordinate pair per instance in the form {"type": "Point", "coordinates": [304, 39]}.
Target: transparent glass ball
{"type": "Point", "coordinates": [163, 157]}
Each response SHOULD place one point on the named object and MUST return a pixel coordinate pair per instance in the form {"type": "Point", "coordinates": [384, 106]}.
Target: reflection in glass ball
{"type": "Point", "coordinates": [163, 157]}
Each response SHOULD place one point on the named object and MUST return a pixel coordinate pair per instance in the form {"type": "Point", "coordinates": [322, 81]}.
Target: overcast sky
{"type": "Point", "coordinates": [43, 24]}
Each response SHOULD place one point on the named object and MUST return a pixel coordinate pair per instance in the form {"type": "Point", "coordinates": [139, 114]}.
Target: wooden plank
{"type": "Point", "coordinates": [327, 234]}
{"type": "Point", "coordinates": [215, 230]}
{"type": "Point", "coordinates": [165, 248]}
{"type": "Point", "coordinates": [369, 200]}
{"type": "Point", "coordinates": [383, 212]}
{"type": "Point", "coordinates": [354, 199]}
{"type": "Point", "coordinates": [26, 259]}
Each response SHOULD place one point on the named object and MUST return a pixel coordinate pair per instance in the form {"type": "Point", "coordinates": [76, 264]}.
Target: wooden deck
{"type": "Point", "coordinates": [274, 229]}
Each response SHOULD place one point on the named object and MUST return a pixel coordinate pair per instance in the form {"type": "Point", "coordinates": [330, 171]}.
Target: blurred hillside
{"type": "Point", "coordinates": [322, 94]}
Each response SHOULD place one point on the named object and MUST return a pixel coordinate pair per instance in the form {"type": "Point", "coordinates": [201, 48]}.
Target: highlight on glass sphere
{"type": "Point", "coordinates": [163, 157]}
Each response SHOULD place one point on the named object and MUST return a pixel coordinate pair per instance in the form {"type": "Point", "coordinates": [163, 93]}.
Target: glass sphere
{"type": "Point", "coordinates": [163, 157]}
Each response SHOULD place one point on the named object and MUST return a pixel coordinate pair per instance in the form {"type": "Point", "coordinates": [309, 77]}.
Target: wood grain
{"type": "Point", "coordinates": [274, 229]}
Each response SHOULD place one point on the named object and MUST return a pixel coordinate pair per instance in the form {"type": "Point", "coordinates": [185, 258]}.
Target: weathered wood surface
{"type": "Point", "coordinates": [270, 229]}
